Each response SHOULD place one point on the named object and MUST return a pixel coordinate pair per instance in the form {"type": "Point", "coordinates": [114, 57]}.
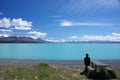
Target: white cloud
{"type": "Point", "coordinates": [8, 25]}
{"type": "Point", "coordinates": [73, 37]}
{"type": "Point", "coordinates": [112, 37]}
{"type": "Point", "coordinates": [71, 23]}
{"type": "Point", "coordinates": [21, 24]}
{"type": "Point", "coordinates": [56, 16]}
{"type": "Point", "coordinates": [1, 13]}
{"type": "Point", "coordinates": [66, 23]}
{"type": "Point", "coordinates": [35, 34]}
{"type": "Point", "coordinates": [18, 24]}
{"type": "Point", "coordinates": [5, 22]}
{"type": "Point", "coordinates": [53, 40]}
{"type": "Point", "coordinates": [115, 34]}
{"type": "Point", "coordinates": [108, 4]}
{"type": "Point", "coordinates": [6, 30]}
{"type": "Point", "coordinates": [4, 35]}
{"type": "Point", "coordinates": [88, 6]}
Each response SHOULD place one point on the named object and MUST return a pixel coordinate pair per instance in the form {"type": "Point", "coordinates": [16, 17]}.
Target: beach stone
{"type": "Point", "coordinates": [16, 76]}
{"type": "Point", "coordinates": [36, 77]}
{"type": "Point", "coordinates": [1, 71]}
{"type": "Point", "coordinates": [10, 70]}
{"type": "Point", "coordinates": [1, 78]}
{"type": "Point", "coordinates": [75, 75]}
{"type": "Point", "coordinates": [62, 77]}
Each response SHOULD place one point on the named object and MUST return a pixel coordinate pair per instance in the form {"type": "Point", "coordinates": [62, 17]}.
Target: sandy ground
{"type": "Point", "coordinates": [55, 63]}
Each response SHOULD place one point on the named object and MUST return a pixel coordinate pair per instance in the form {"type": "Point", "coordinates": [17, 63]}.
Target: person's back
{"type": "Point", "coordinates": [86, 61]}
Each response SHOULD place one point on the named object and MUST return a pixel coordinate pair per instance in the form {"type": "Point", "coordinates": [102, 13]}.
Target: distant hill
{"type": "Point", "coordinates": [15, 39]}
{"type": "Point", "coordinates": [92, 42]}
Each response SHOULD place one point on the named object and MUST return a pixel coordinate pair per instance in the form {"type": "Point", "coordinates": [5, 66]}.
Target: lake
{"type": "Point", "coordinates": [59, 51]}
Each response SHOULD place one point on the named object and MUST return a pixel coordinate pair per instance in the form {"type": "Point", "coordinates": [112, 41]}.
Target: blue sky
{"type": "Point", "coordinates": [60, 20]}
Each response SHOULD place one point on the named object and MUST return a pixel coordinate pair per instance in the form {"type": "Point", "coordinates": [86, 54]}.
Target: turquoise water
{"type": "Point", "coordinates": [59, 51]}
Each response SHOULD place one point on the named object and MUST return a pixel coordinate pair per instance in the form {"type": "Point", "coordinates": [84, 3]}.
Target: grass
{"type": "Point", "coordinates": [117, 71]}
{"type": "Point", "coordinates": [39, 72]}
{"type": "Point", "coordinates": [43, 72]}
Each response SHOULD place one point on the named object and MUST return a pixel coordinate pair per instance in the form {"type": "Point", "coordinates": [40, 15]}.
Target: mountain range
{"type": "Point", "coordinates": [14, 39]}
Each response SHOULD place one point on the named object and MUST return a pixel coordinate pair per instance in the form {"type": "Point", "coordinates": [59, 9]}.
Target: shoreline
{"type": "Point", "coordinates": [54, 63]}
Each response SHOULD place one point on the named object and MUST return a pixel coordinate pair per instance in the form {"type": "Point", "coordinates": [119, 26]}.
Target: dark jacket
{"type": "Point", "coordinates": [87, 61]}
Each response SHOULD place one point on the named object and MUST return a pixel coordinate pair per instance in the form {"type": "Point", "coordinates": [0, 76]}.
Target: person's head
{"type": "Point", "coordinates": [87, 55]}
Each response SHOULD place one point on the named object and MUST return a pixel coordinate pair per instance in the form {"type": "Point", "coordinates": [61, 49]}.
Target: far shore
{"type": "Point", "coordinates": [54, 63]}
